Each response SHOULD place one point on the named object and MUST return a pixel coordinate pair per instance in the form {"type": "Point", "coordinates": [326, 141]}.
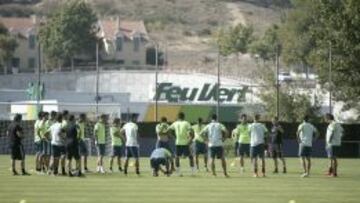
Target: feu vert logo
{"type": "Point", "coordinates": [208, 92]}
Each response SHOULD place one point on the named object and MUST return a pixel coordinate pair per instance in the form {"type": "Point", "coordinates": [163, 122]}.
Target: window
{"type": "Point", "coordinates": [32, 42]}
{"type": "Point", "coordinates": [119, 43]}
{"type": "Point", "coordinates": [136, 62]}
{"type": "Point", "coordinates": [15, 62]}
{"type": "Point", "coordinates": [136, 44]}
{"type": "Point", "coordinates": [31, 63]}
{"type": "Point", "coordinates": [120, 61]}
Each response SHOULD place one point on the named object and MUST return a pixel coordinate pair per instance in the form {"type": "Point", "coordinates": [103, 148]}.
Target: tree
{"type": "Point", "coordinates": [8, 46]}
{"type": "Point", "coordinates": [266, 47]}
{"type": "Point", "coordinates": [311, 28]}
{"type": "Point", "coordinates": [69, 31]}
{"type": "Point", "coordinates": [234, 39]}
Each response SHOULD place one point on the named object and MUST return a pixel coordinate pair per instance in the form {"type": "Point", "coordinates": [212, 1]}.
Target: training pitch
{"type": "Point", "coordinates": [203, 187]}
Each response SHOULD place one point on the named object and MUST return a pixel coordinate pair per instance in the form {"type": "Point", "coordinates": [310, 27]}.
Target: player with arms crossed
{"type": "Point", "coordinates": [130, 132]}
{"type": "Point", "coordinates": [242, 134]}
{"type": "Point", "coordinates": [334, 134]}
{"type": "Point", "coordinates": [305, 134]}
{"type": "Point", "coordinates": [200, 144]}
{"type": "Point", "coordinates": [116, 143]}
{"type": "Point", "coordinates": [57, 143]}
{"type": "Point", "coordinates": [258, 132]}
{"type": "Point", "coordinates": [276, 144]}
{"type": "Point", "coordinates": [15, 133]}
{"type": "Point", "coordinates": [184, 137]}
{"type": "Point", "coordinates": [216, 133]}
{"type": "Point", "coordinates": [82, 145]}
{"type": "Point", "coordinates": [100, 140]}
{"type": "Point", "coordinates": [72, 146]}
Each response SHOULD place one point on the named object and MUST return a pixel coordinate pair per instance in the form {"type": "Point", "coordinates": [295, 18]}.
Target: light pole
{"type": "Point", "coordinates": [156, 81]}
{"type": "Point", "coordinates": [330, 77]}
{"type": "Point", "coordinates": [39, 79]}
{"type": "Point", "coordinates": [277, 82]}
{"type": "Point", "coordinates": [218, 85]}
{"type": "Point", "coordinates": [97, 97]}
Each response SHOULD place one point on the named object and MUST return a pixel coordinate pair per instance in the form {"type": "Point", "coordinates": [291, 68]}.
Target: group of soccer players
{"type": "Point", "coordinates": [61, 137]}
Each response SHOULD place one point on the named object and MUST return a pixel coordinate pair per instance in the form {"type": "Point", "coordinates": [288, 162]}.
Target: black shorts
{"type": "Point", "coordinates": [117, 151]}
{"type": "Point", "coordinates": [72, 151]}
{"type": "Point", "coordinates": [183, 150]}
{"type": "Point", "coordinates": [244, 149]}
{"type": "Point", "coordinates": [305, 151]}
{"type": "Point", "coordinates": [155, 163]}
{"type": "Point", "coordinates": [257, 151]}
{"type": "Point", "coordinates": [200, 148]}
{"type": "Point", "coordinates": [217, 152]}
{"type": "Point", "coordinates": [38, 147]}
{"type": "Point", "coordinates": [17, 152]}
{"type": "Point", "coordinates": [163, 144]}
{"type": "Point", "coordinates": [83, 148]}
{"type": "Point", "coordinates": [333, 151]}
{"type": "Point", "coordinates": [46, 147]}
{"type": "Point", "coordinates": [276, 151]}
{"type": "Point", "coordinates": [132, 151]}
{"type": "Point", "coordinates": [236, 148]}
{"type": "Point", "coordinates": [101, 149]}
{"type": "Point", "coordinates": [57, 151]}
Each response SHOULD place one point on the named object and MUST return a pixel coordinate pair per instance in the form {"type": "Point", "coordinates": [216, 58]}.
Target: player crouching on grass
{"type": "Point", "coordinates": [216, 134]}
{"type": "Point", "coordinates": [258, 132]}
{"type": "Point", "coordinates": [130, 132]}
{"type": "Point", "coordinates": [334, 134]}
{"type": "Point", "coordinates": [100, 137]}
{"type": "Point", "coordinates": [116, 143]}
{"type": "Point", "coordinates": [163, 136]}
{"type": "Point", "coordinates": [305, 136]}
{"type": "Point", "coordinates": [15, 133]}
{"type": "Point", "coordinates": [161, 156]}
{"type": "Point", "coordinates": [72, 146]}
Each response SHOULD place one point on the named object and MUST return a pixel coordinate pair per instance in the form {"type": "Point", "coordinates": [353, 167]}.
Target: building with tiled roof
{"type": "Point", "coordinates": [124, 42]}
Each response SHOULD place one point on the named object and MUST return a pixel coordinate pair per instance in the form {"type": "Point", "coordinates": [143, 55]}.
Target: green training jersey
{"type": "Point", "coordinates": [42, 129]}
{"type": "Point", "coordinates": [115, 136]}
{"type": "Point", "coordinates": [99, 132]}
{"type": "Point", "coordinates": [197, 130]}
{"type": "Point", "coordinates": [37, 137]}
{"type": "Point", "coordinates": [243, 131]}
{"type": "Point", "coordinates": [182, 129]}
{"type": "Point", "coordinates": [161, 129]}
{"type": "Point", "coordinates": [81, 130]}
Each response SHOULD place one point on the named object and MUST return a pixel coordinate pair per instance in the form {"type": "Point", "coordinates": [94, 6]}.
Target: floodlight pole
{"type": "Point", "coordinates": [330, 77]}
{"type": "Point", "coordinates": [38, 80]}
{"type": "Point", "coordinates": [218, 85]}
{"type": "Point", "coordinates": [277, 83]}
{"type": "Point", "coordinates": [97, 79]}
{"type": "Point", "coordinates": [156, 81]}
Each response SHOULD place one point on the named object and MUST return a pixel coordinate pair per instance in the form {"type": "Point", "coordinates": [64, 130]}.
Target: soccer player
{"type": "Point", "coordinates": [184, 137]}
{"type": "Point", "coordinates": [47, 140]}
{"type": "Point", "coordinates": [57, 143]}
{"type": "Point", "coordinates": [163, 134]}
{"type": "Point", "coordinates": [72, 146]}
{"type": "Point", "coordinates": [200, 145]}
{"type": "Point", "coordinates": [62, 148]}
{"type": "Point", "coordinates": [15, 133]}
{"type": "Point", "coordinates": [276, 143]}
{"type": "Point", "coordinates": [82, 145]}
{"type": "Point", "coordinates": [130, 132]}
{"type": "Point", "coordinates": [242, 131]}
{"type": "Point", "coordinates": [42, 128]}
{"type": "Point", "coordinates": [116, 143]}
{"type": "Point", "coordinates": [258, 132]}
{"type": "Point", "coordinates": [37, 142]}
{"type": "Point", "coordinates": [100, 138]}
{"type": "Point", "coordinates": [334, 134]}
{"type": "Point", "coordinates": [305, 134]}
{"type": "Point", "coordinates": [160, 156]}
{"type": "Point", "coordinates": [216, 133]}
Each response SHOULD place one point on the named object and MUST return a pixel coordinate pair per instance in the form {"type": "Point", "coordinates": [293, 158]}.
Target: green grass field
{"type": "Point", "coordinates": [115, 187]}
